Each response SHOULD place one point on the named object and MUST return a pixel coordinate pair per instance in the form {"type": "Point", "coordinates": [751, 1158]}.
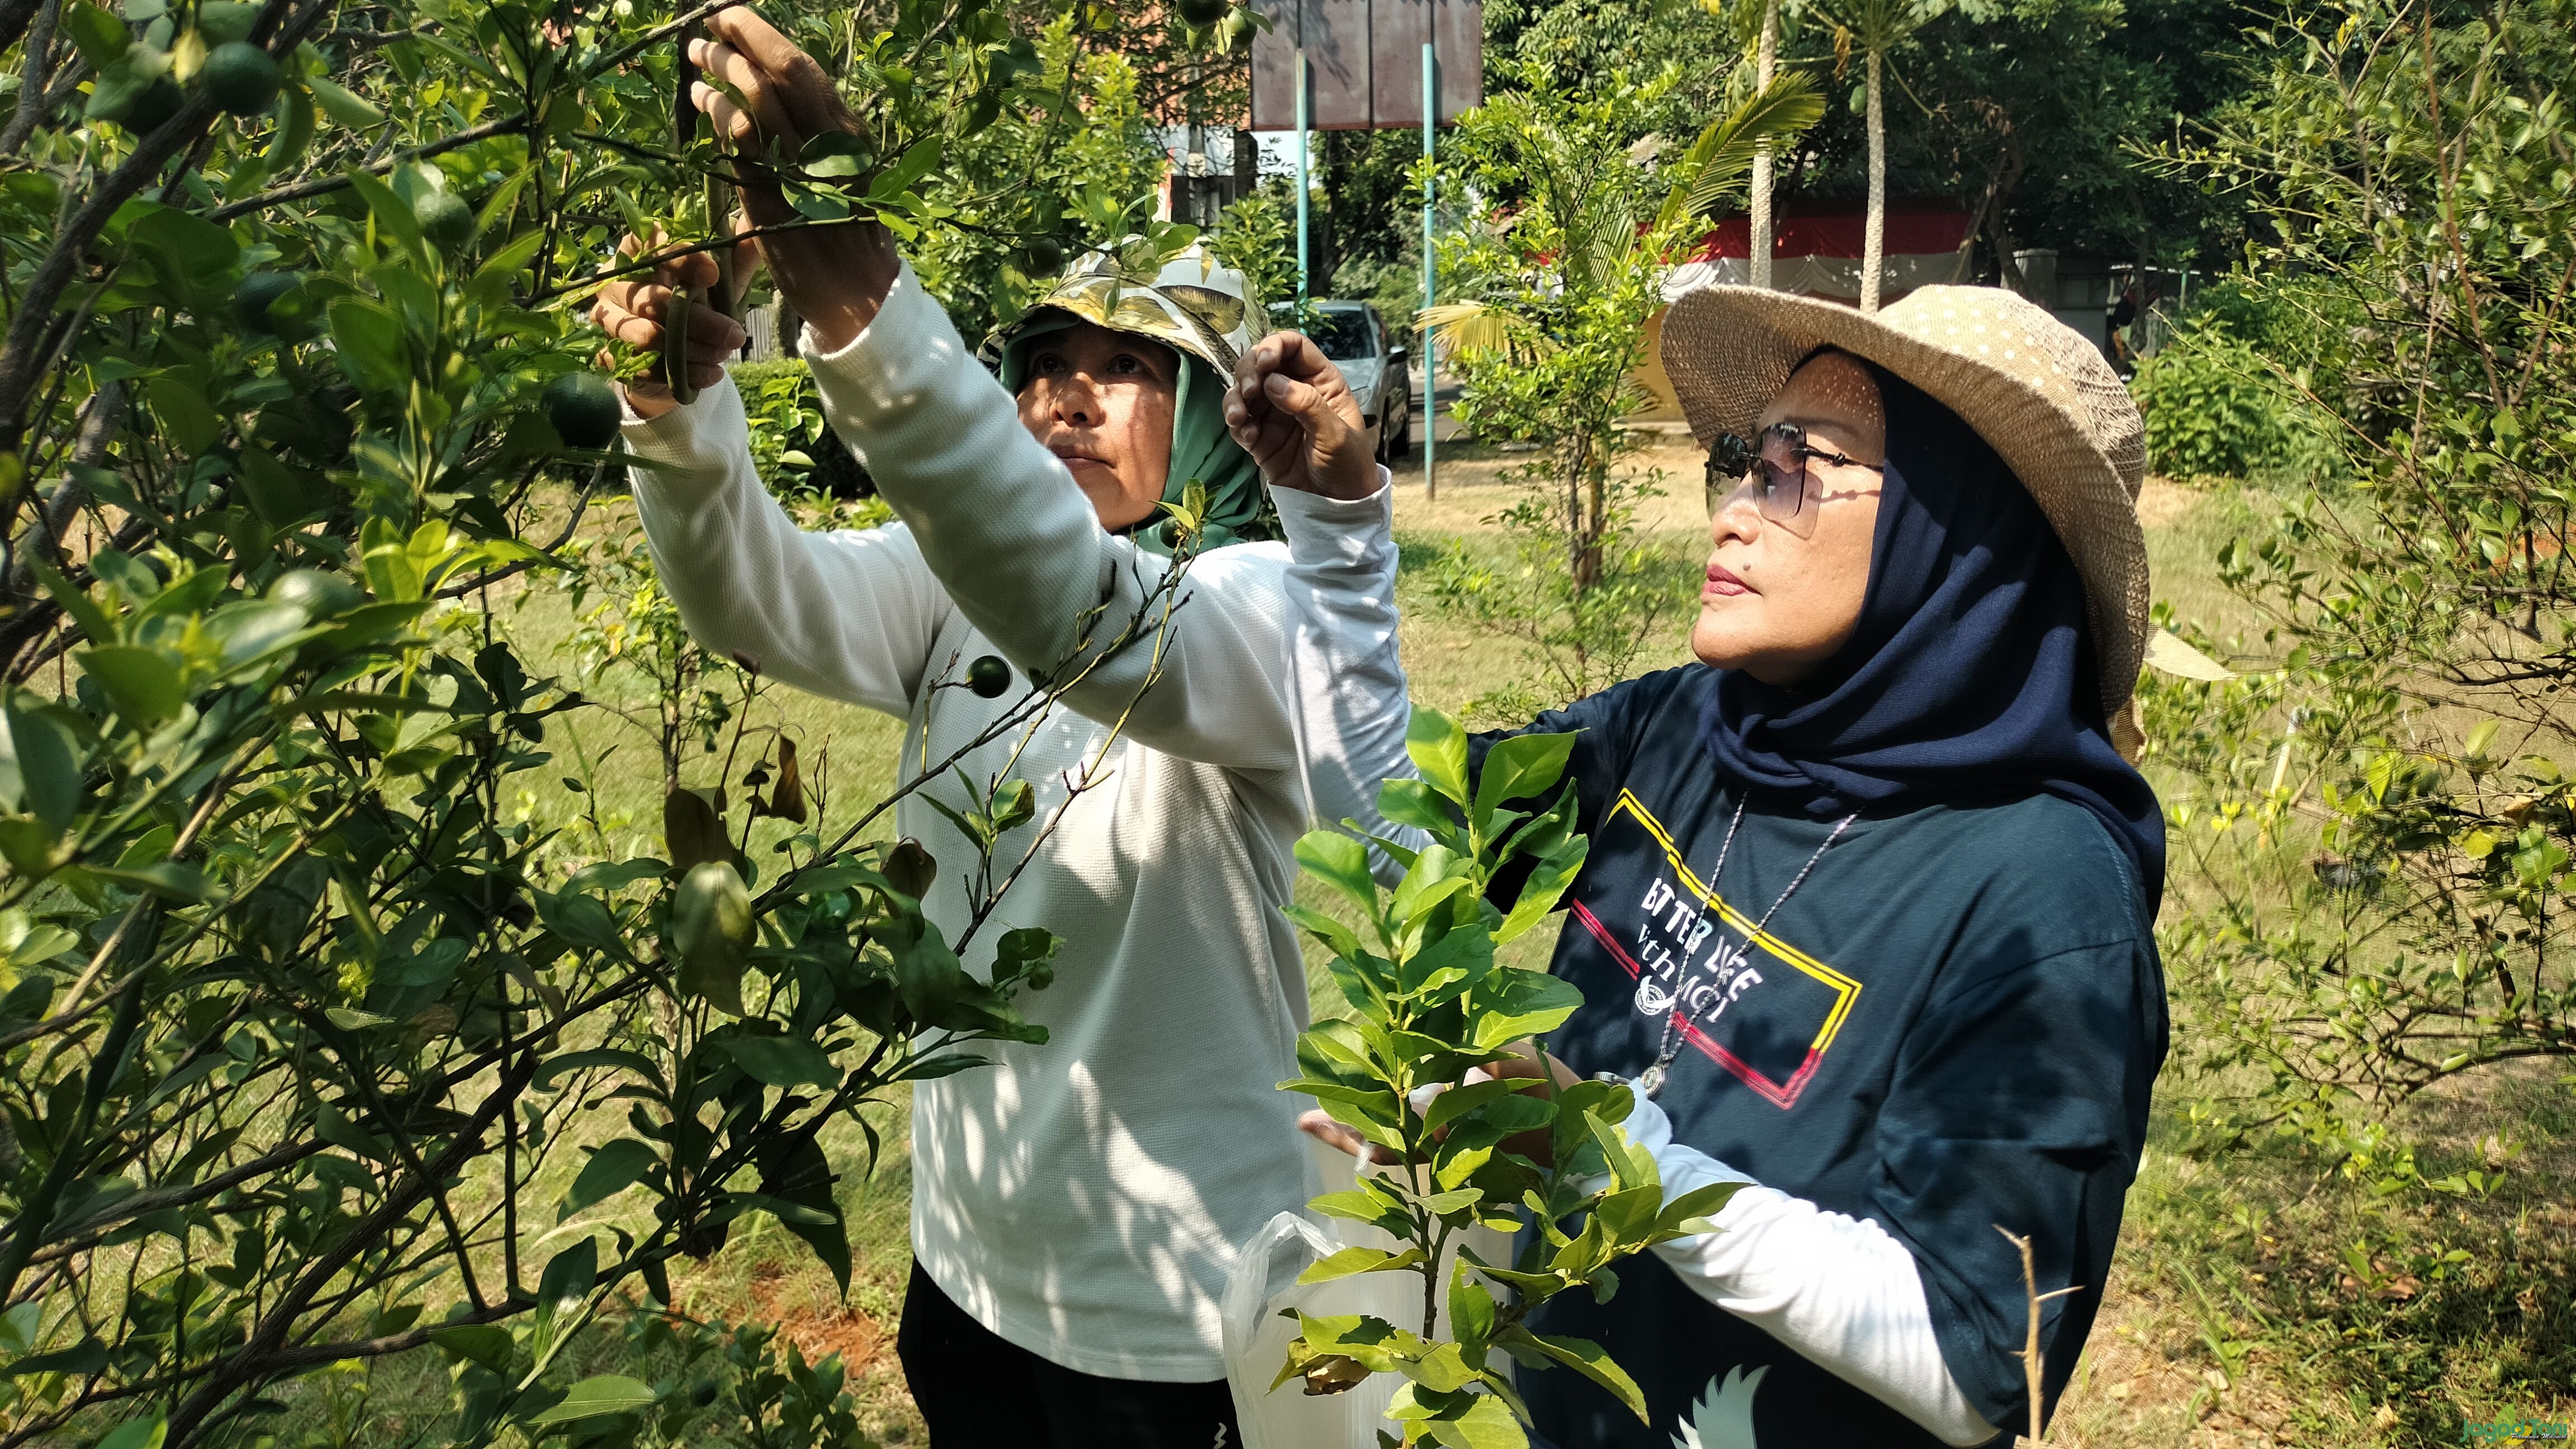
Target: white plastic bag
{"type": "Point", "coordinates": [1256, 1337]}
{"type": "Point", "coordinates": [1256, 1342]}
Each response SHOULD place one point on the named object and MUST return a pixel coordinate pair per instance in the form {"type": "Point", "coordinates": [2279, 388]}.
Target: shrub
{"type": "Point", "coordinates": [2211, 408]}
{"type": "Point", "coordinates": [2374, 825]}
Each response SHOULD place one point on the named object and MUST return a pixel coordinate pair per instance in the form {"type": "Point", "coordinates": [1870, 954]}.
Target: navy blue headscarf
{"type": "Point", "coordinates": [1971, 671]}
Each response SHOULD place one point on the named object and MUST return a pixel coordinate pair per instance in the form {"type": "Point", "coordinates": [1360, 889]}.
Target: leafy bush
{"type": "Point", "coordinates": [315, 1053]}
{"type": "Point", "coordinates": [2374, 824]}
{"type": "Point", "coordinates": [2212, 408]}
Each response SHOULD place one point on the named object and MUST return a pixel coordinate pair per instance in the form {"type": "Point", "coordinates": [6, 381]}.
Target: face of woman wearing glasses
{"type": "Point", "coordinates": [1789, 556]}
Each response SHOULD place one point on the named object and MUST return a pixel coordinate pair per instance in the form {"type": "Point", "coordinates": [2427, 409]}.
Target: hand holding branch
{"type": "Point", "coordinates": [1290, 409]}
{"type": "Point", "coordinates": [636, 312]}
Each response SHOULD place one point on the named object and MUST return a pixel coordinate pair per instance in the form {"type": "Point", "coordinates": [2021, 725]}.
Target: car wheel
{"type": "Point", "coordinates": [1400, 445]}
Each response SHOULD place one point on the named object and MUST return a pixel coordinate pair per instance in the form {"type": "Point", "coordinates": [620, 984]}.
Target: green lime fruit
{"type": "Point", "coordinates": [988, 676]}
{"type": "Point", "coordinates": [241, 78]}
{"type": "Point", "coordinates": [447, 221]}
{"type": "Point", "coordinates": [1203, 13]}
{"type": "Point", "coordinates": [151, 110]}
{"type": "Point", "coordinates": [584, 409]}
{"type": "Point", "coordinates": [319, 595]}
{"type": "Point", "coordinates": [1045, 255]}
{"type": "Point", "coordinates": [257, 293]}
{"type": "Point", "coordinates": [1235, 31]}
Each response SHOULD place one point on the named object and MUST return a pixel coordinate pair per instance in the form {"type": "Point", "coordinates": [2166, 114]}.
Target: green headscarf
{"type": "Point", "coordinates": [1203, 451]}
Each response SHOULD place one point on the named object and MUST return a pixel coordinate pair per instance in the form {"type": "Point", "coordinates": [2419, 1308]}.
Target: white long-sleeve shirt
{"type": "Point", "coordinates": [1083, 1199]}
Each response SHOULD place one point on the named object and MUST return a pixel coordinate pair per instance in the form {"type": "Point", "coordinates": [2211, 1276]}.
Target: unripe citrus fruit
{"type": "Point", "coordinates": [241, 78]}
{"type": "Point", "coordinates": [1203, 13]}
{"type": "Point", "coordinates": [319, 595]}
{"type": "Point", "coordinates": [583, 408]}
{"type": "Point", "coordinates": [988, 676]}
{"type": "Point", "coordinates": [445, 220]}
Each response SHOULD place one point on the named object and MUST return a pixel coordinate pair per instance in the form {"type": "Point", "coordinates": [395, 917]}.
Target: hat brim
{"type": "Point", "coordinates": [1730, 349]}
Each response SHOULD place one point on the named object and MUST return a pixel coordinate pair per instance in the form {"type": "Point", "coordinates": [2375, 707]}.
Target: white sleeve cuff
{"type": "Point", "coordinates": [1838, 1289]}
{"type": "Point", "coordinates": [698, 443]}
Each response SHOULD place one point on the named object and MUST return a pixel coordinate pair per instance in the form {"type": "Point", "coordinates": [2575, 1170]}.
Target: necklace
{"type": "Point", "coordinates": [1651, 997]}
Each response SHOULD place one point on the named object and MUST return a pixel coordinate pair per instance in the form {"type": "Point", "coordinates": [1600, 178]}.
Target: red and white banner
{"type": "Point", "coordinates": [1818, 253]}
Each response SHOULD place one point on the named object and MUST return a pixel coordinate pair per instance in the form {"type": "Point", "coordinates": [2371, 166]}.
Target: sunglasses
{"type": "Point", "coordinates": [1775, 469]}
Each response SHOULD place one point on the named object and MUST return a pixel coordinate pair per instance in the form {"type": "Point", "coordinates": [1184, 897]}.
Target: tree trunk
{"type": "Point", "coordinates": [1766, 61]}
{"type": "Point", "coordinates": [1873, 243]}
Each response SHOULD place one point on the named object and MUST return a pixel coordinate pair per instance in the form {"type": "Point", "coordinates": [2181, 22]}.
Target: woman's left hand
{"type": "Point", "coordinates": [1290, 409]}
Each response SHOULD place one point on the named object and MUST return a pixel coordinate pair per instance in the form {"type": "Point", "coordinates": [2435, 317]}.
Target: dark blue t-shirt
{"type": "Point", "coordinates": [1953, 1024]}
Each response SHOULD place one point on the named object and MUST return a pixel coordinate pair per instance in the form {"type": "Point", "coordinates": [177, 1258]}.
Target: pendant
{"type": "Point", "coordinates": [1652, 1081]}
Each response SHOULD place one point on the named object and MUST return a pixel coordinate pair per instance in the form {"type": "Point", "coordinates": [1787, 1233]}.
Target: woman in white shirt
{"type": "Point", "coordinates": [1076, 1205]}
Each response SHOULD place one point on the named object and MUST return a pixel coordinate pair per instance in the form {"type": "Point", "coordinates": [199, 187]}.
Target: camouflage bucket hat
{"type": "Point", "coordinates": [1189, 302]}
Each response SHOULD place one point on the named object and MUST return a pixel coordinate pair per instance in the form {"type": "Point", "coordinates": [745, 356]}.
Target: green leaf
{"type": "Point", "coordinates": [41, 767]}
{"type": "Point", "coordinates": [580, 920]}
{"type": "Point", "coordinates": [483, 1343]}
{"type": "Point", "coordinates": [1350, 1262]}
{"type": "Point", "coordinates": [1692, 1211]}
{"type": "Point", "coordinates": [144, 1433]}
{"type": "Point", "coordinates": [563, 1288]}
{"type": "Point", "coordinates": [1545, 889]}
{"type": "Point", "coordinates": [596, 1397]}
{"type": "Point", "coordinates": [1438, 745]}
{"type": "Point", "coordinates": [1337, 938]}
{"type": "Point", "coordinates": [558, 1067]}
{"type": "Point", "coordinates": [1630, 1165]}
{"type": "Point", "coordinates": [1358, 1206]}
{"type": "Point", "coordinates": [369, 342]}
{"type": "Point", "coordinates": [1471, 1307]}
{"type": "Point", "coordinates": [168, 879]}
{"type": "Point", "coordinates": [1521, 766]}
{"type": "Point", "coordinates": [142, 683]}
{"type": "Point", "coordinates": [712, 929]}
{"type": "Point", "coordinates": [1414, 803]}
{"type": "Point", "coordinates": [796, 1172]}
{"type": "Point", "coordinates": [1340, 862]}
{"type": "Point", "coordinates": [100, 37]}
{"type": "Point", "coordinates": [89, 1356]}
{"type": "Point", "coordinates": [693, 831]}
{"type": "Point", "coordinates": [1586, 1358]}
{"type": "Point", "coordinates": [615, 1167]}
{"type": "Point", "coordinates": [1511, 1004]}
{"type": "Point", "coordinates": [189, 423]}
{"type": "Point", "coordinates": [348, 108]}
{"type": "Point", "coordinates": [782, 1061]}
{"type": "Point", "coordinates": [916, 163]}
{"type": "Point", "coordinates": [1459, 1101]}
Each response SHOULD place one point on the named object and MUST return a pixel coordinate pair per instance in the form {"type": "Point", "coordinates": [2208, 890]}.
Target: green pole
{"type": "Point", "coordinates": [1301, 176]}
{"type": "Point", "coordinates": [1430, 357]}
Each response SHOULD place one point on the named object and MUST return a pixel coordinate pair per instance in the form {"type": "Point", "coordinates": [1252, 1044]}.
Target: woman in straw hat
{"type": "Point", "coordinates": [1867, 920]}
{"type": "Point", "coordinates": [1077, 1204]}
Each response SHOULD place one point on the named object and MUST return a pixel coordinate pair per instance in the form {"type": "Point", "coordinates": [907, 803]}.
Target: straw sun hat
{"type": "Point", "coordinates": [2039, 394]}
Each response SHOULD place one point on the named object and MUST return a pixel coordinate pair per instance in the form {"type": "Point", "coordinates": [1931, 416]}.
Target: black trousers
{"type": "Point", "coordinates": [977, 1391]}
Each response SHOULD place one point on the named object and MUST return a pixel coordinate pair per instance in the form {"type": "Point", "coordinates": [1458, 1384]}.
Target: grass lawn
{"type": "Point", "coordinates": [2254, 1301]}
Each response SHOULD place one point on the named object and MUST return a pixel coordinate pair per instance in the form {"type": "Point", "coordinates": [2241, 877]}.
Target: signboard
{"type": "Point", "coordinates": [1364, 61]}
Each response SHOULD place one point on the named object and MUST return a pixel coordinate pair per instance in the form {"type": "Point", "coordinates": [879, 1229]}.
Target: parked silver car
{"type": "Point", "coordinates": [1374, 363]}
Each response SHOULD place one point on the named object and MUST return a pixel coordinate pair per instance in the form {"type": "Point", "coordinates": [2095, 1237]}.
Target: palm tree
{"type": "Point", "coordinates": [1766, 65]}
{"type": "Point", "coordinates": [1876, 27]}
{"type": "Point", "coordinates": [1608, 234]}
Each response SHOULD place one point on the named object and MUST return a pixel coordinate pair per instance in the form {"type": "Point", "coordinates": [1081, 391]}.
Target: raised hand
{"type": "Point", "coordinates": [834, 274]}
{"type": "Point", "coordinates": [1290, 409]}
{"type": "Point", "coordinates": [634, 311]}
